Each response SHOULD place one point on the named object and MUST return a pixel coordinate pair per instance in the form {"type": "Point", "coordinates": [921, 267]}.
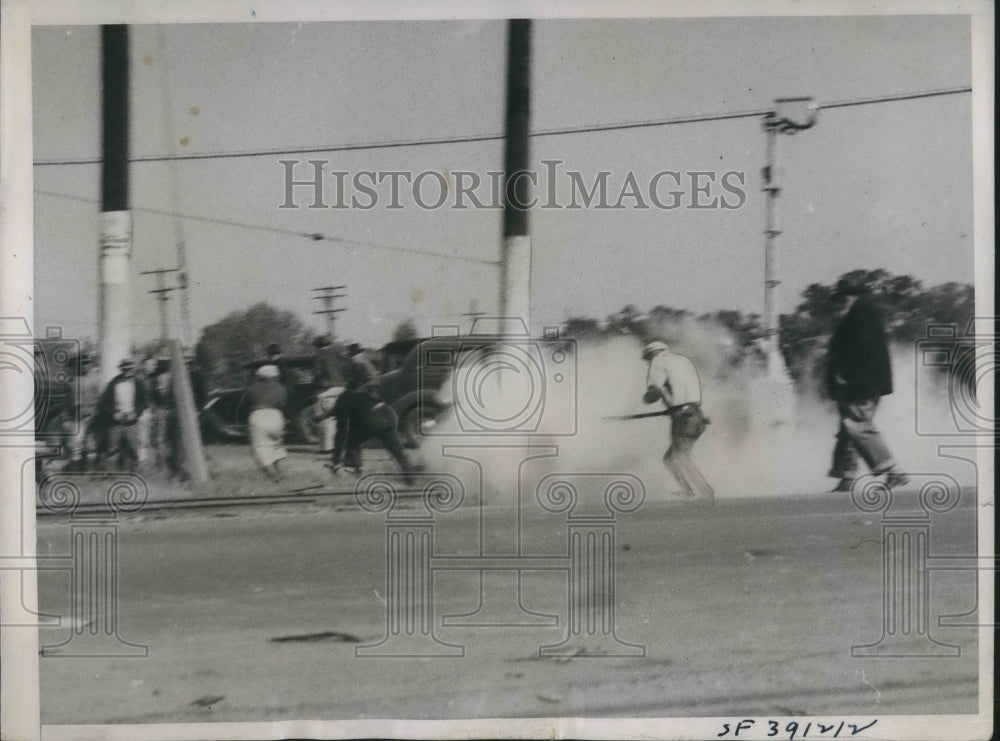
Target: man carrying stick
{"type": "Point", "coordinates": [673, 379]}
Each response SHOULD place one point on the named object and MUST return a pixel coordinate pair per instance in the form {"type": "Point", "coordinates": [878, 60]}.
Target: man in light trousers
{"type": "Point", "coordinates": [673, 380]}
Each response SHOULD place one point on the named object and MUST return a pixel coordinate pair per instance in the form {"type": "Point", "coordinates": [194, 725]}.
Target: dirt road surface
{"type": "Point", "coordinates": [748, 607]}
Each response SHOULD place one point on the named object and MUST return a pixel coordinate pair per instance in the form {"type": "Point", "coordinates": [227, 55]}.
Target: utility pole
{"type": "Point", "coordinates": [328, 294]}
{"type": "Point", "coordinates": [789, 115]}
{"type": "Point", "coordinates": [116, 219]}
{"type": "Point", "coordinates": [500, 597]}
{"type": "Point", "coordinates": [515, 256]}
{"type": "Point", "coordinates": [161, 291]}
{"type": "Point", "coordinates": [168, 119]}
{"type": "Point", "coordinates": [775, 394]}
{"type": "Point", "coordinates": [187, 415]}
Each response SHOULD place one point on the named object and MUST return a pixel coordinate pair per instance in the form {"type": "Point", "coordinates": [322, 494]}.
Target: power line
{"type": "Point", "coordinates": [489, 137]}
{"type": "Point", "coordinates": [314, 236]}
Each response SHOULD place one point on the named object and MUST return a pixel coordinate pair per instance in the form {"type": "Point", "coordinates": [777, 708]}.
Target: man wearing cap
{"type": "Point", "coordinates": [673, 380]}
{"type": "Point", "coordinates": [122, 403]}
{"type": "Point", "coordinates": [858, 375]}
{"type": "Point", "coordinates": [276, 357]}
{"type": "Point", "coordinates": [358, 365]}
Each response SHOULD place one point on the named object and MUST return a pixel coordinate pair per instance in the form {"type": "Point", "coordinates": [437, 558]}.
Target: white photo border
{"type": "Point", "coordinates": [20, 683]}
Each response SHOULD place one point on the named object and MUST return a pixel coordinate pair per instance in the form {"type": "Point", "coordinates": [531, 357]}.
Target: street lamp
{"type": "Point", "coordinates": [789, 115]}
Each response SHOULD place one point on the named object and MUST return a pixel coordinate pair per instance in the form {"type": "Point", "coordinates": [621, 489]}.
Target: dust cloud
{"type": "Point", "coordinates": [764, 439]}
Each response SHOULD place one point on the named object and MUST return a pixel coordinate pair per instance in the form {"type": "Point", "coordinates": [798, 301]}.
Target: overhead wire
{"type": "Point", "coordinates": [314, 236]}
{"type": "Point", "coordinates": [486, 137]}
{"type": "Point", "coordinates": [463, 139]}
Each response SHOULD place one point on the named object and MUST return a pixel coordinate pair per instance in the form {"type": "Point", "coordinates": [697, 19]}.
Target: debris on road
{"type": "Point", "coordinates": [207, 701]}
{"type": "Point", "coordinates": [326, 635]}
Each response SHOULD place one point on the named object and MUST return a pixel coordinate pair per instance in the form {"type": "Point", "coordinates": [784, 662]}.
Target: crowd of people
{"type": "Point", "coordinates": [131, 423]}
{"type": "Point", "coordinates": [348, 407]}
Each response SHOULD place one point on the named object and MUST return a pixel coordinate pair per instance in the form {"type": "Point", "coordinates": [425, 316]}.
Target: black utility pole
{"type": "Point", "coordinates": [515, 258]}
{"type": "Point", "coordinates": [116, 219]}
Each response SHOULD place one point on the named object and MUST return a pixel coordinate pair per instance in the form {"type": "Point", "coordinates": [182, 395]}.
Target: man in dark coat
{"type": "Point", "coordinates": [122, 403]}
{"type": "Point", "coordinates": [362, 415]}
{"type": "Point", "coordinates": [858, 375]}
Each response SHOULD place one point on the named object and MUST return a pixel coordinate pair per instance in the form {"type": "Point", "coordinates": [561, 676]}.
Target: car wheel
{"type": "Point", "coordinates": [214, 429]}
{"type": "Point", "coordinates": [409, 422]}
{"type": "Point", "coordinates": [308, 425]}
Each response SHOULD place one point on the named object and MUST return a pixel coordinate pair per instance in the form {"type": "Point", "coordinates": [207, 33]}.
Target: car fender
{"type": "Point", "coordinates": [408, 401]}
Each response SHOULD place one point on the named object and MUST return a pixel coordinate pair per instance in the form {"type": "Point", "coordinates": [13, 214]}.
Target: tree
{"type": "Point", "coordinates": [579, 327]}
{"type": "Point", "coordinates": [243, 336]}
{"type": "Point", "coordinates": [661, 313]}
{"type": "Point", "coordinates": [628, 320]}
{"type": "Point", "coordinates": [908, 308]}
{"type": "Point", "coordinates": [747, 334]}
{"type": "Point", "coordinates": [405, 330]}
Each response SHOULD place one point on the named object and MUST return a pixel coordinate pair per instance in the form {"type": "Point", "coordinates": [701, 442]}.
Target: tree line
{"type": "Point", "coordinates": [908, 307]}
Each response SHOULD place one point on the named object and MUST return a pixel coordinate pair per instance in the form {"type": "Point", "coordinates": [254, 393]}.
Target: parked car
{"type": "Point", "coordinates": [225, 414]}
{"type": "Point", "coordinates": [411, 387]}
{"type": "Point", "coordinates": [405, 382]}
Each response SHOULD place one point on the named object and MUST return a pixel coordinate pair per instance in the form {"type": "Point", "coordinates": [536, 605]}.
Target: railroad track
{"type": "Point", "coordinates": [306, 495]}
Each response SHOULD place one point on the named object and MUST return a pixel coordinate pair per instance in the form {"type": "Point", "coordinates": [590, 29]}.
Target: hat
{"type": "Point", "coordinates": [849, 285]}
{"type": "Point", "coordinates": [127, 364]}
{"type": "Point", "coordinates": [353, 349]}
{"type": "Point", "coordinates": [274, 349]}
{"type": "Point", "coordinates": [268, 371]}
{"type": "Point", "coordinates": [654, 348]}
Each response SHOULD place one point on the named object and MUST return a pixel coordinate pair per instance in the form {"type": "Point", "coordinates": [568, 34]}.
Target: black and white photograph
{"type": "Point", "coordinates": [477, 372]}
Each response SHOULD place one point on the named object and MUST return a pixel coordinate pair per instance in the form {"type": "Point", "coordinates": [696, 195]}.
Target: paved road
{"type": "Point", "coordinates": [749, 607]}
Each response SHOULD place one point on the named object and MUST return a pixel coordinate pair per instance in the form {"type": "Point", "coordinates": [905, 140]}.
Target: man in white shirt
{"type": "Point", "coordinates": [673, 380]}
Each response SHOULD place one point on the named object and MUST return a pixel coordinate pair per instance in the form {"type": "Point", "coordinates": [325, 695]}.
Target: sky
{"type": "Point", "coordinates": [875, 186]}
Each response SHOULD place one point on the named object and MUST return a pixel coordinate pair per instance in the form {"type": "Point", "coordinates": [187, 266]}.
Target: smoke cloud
{"type": "Point", "coordinates": [764, 439]}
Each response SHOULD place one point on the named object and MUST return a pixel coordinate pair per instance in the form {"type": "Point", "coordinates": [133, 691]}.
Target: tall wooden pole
{"type": "Point", "coordinates": [116, 219]}
{"type": "Point", "coordinates": [194, 455]}
{"type": "Point", "coordinates": [515, 258]}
